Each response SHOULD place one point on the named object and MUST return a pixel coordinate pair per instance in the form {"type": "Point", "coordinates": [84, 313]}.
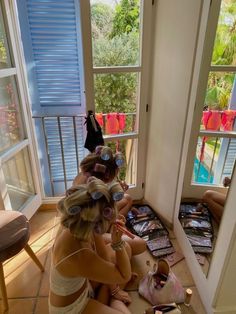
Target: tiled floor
{"type": "Point", "coordinates": [27, 287]}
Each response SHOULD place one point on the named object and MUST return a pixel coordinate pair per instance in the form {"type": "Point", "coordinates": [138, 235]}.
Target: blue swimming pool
{"type": "Point", "coordinates": [201, 175]}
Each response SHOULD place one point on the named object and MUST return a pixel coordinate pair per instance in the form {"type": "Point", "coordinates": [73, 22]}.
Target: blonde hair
{"type": "Point", "coordinates": [88, 164]}
{"type": "Point", "coordinates": [83, 214]}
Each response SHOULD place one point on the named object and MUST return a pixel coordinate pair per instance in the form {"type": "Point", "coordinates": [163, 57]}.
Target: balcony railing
{"type": "Point", "coordinates": [61, 149]}
{"type": "Point", "coordinates": [61, 146]}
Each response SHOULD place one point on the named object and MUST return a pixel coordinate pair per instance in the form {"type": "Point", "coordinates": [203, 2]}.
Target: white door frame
{"type": "Point", "coordinates": [136, 192]}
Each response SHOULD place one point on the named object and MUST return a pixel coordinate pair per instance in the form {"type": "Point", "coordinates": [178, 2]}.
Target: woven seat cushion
{"type": "Point", "coordinates": [14, 233]}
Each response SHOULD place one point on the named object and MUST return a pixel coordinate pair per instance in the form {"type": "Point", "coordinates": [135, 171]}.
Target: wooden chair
{"type": "Point", "coordinates": [14, 236]}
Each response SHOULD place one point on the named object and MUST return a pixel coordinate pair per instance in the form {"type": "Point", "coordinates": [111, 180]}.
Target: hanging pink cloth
{"type": "Point", "coordinates": [112, 123]}
{"type": "Point", "coordinates": [211, 120]}
{"type": "Point", "coordinates": [99, 119]}
{"type": "Point", "coordinates": [227, 120]}
{"type": "Point", "coordinates": [121, 118]}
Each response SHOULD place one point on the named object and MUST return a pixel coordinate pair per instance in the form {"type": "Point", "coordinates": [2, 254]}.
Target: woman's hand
{"type": "Point", "coordinates": [116, 234]}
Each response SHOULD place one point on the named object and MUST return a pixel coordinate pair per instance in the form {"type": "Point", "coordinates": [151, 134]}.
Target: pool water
{"type": "Point", "coordinates": [201, 175]}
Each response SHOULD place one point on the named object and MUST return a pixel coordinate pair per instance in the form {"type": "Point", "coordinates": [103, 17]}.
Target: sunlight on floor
{"type": "Point", "coordinates": [27, 287]}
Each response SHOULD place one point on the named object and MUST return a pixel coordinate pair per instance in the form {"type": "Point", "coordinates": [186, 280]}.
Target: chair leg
{"type": "Point", "coordinates": [33, 256]}
{"type": "Point", "coordinates": [3, 289]}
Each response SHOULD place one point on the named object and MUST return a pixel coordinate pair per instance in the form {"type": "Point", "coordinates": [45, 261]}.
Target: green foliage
{"type": "Point", "coordinates": [126, 18]}
{"type": "Point", "coordinates": [3, 54]}
{"type": "Point", "coordinates": [115, 92]}
{"type": "Point", "coordinates": [219, 90]}
{"type": "Point", "coordinates": [118, 51]}
{"type": "Point", "coordinates": [224, 53]}
{"type": "Point", "coordinates": [101, 17]}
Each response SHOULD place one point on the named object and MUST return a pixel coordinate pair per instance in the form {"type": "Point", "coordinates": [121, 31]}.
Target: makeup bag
{"type": "Point", "coordinates": [161, 286]}
{"type": "Point", "coordinates": [196, 221]}
{"type": "Point", "coordinates": [143, 221]}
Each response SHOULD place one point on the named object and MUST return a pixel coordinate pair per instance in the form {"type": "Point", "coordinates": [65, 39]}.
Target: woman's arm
{"type": "Point", "coordinates": [104, 271]}
{"type": "Point", "coordinates": [87, 263]}
{"type": "Point", "coordinates": [101, 247]}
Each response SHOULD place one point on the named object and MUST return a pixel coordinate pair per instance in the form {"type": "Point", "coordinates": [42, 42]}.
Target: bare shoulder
{"type": "Point", "coordinates": [70, 254]}
{"type": "Point", "coordinates": [76, 263]}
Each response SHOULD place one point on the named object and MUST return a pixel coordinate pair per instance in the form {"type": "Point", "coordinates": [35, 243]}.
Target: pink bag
{"type": "Point", "coordinates": [161, 285]}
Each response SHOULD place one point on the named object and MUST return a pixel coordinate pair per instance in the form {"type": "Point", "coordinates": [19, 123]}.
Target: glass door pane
{"type": "Point", "coordinates": [18, 191]}
{"type": "Point", "coordinates": [115, 32]}
{"type": "Point", "coordinates": [5, 61]}
{"type": "Point", "coordinates": [11, 130]}
{"type": "Point", "coordinates": [116, 98]}
{"type": "Point", "coordinates": [18, 176]}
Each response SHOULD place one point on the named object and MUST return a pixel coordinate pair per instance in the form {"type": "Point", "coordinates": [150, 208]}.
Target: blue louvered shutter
{"type": "Point", "coordinates": [51, 36]}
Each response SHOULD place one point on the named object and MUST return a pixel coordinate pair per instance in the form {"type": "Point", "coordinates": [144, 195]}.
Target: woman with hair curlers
{"type": "Point", "coordinates": [82, 268]}
{"type": "Point", "coordinates": [105, 165]}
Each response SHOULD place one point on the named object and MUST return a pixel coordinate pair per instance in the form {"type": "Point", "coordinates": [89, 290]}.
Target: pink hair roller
{"type": "Point", "coordinates": [99, 168]}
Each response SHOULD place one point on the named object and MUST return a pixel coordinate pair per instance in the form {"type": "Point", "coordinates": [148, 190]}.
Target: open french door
{"type": "Point", "coordinates": [19, 190]}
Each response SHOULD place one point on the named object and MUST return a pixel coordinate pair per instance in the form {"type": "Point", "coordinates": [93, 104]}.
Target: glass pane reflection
{"type": "Point", "coordinates": [18, 175]}
{"type": "Point", "coordinates": [224, 52]}
{"type": "Point", "coordinates": [4, 51]}
{"type": "Point", "coordinates": [10, 118]}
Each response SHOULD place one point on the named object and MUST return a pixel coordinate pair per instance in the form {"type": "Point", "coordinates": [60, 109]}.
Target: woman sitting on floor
{"type": "Point", "coordinates": [81, 269]}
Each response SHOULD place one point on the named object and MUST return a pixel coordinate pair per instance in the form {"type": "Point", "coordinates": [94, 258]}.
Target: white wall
{"type": "Point", "coordinates": [175, 33]}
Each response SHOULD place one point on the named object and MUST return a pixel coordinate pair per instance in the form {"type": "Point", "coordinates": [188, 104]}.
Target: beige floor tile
{"type": "Point", "coordinates": [44, 287]}
{"type": "Point", "coordinates": [22, 275]}
{"type": "Point", "coordinates": [181, 270]}
{"type": "Point", "coordinates": [20, 306]}
{"type": "Point", "coordinates": [42, 227]}
{"type": "Point", "coordinates": [25, 282]}
{"type": "Point", "coordinates": [138, 305]}
{"type": "Point", "coordinates": [41, 306]}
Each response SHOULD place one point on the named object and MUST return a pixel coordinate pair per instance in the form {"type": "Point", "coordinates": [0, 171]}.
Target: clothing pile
{"type": "Point", "coordinates": [196, 221]}
{"type": "Point", "coordinates": [144, 222]}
